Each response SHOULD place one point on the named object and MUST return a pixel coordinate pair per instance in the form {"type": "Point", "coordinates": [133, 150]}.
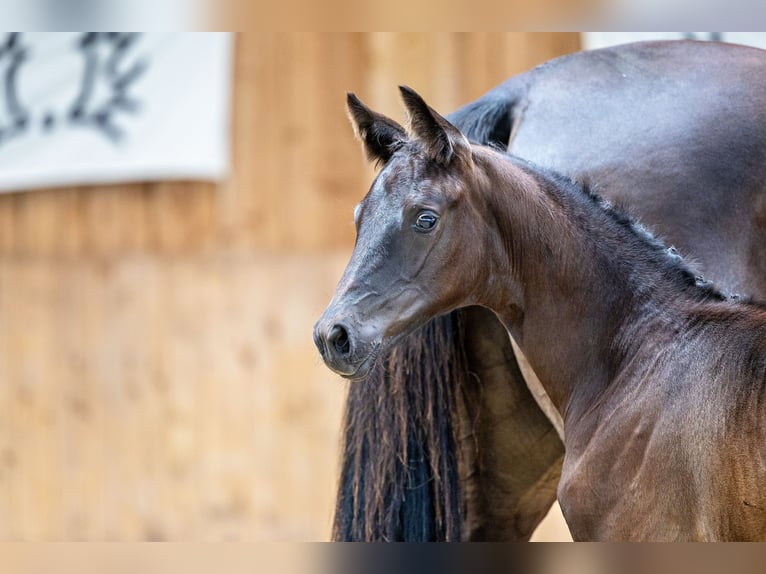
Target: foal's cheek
{"type": "Point", "coordinates": [413, 259]}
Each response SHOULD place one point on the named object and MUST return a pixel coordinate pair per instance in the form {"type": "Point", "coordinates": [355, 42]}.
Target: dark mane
{"type": "Point", "coordinates": [676, 265]}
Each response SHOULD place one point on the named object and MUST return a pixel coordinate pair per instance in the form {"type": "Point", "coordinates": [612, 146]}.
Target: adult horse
{"type": "Point", "coordinates": [443, 440]}
{"type": "Point", "coordinates": [660, 378]}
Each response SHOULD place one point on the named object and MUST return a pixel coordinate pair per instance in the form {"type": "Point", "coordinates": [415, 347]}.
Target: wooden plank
{"type": "Point", "coordinates": [156, 399]}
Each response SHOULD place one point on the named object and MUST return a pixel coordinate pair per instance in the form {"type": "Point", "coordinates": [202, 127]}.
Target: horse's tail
{"type": "Point", "coordinates": [399, 470]}
{"type": "Point", "coordinates": [490, 119]}
{"type": "Point", "coordinates": [399, 474]}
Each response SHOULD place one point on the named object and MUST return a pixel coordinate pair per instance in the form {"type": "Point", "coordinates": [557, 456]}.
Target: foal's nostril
{"type": "Point", "coordinates": [339, 340]}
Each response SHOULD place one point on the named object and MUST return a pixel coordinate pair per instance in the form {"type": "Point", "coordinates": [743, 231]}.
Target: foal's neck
{"type": "Point", "coordinates": [580, 280]}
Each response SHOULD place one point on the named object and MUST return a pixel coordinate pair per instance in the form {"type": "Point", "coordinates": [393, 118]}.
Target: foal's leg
{"type": "Point", "coordinates": [511, 454]}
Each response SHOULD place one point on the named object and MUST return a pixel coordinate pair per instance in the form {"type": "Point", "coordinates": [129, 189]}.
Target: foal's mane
{"type": "Point", "coordinates": [571, 192]}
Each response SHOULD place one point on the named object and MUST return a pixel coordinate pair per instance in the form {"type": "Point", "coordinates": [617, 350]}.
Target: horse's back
{"type": "Point", "coordinates": [670, 106]}
{"type": "Point", "coordinates": [649, 126]}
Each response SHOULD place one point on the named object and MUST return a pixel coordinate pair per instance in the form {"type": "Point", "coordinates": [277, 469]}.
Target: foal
{"type": "Point", "coordinates": [658, 377]}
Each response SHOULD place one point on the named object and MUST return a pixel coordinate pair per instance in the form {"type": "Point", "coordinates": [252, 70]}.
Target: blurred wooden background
{"type": "Point", "coordinates": [158, 380]}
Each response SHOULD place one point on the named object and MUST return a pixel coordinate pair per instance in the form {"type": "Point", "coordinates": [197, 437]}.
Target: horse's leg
{"type": "Point", "coordinates": [511, 454]}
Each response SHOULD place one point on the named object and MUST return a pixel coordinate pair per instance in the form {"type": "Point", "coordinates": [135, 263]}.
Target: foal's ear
{"type": "Point", "coordinates": [381, 136]}
{"type": "Point", "coordinates": [442, 140]}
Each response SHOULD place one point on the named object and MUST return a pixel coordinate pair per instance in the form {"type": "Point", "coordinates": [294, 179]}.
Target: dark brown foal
{"type": "Point", "coordinates": [659, 378]}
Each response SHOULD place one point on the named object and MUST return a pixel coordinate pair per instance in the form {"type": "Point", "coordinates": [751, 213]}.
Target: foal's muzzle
{"type": "Point", "coordinates": [336, 347]}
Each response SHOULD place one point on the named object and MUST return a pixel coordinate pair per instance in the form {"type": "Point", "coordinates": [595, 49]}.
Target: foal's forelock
{"type": "Point", "coordinates": [413, 176]}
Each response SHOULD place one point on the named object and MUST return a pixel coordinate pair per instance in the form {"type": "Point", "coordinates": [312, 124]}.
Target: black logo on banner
{"type": "Point", "coordinates": [105, 100]}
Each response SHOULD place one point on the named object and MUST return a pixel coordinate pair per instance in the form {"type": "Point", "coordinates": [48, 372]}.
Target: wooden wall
{"type": "Point", "coordinates": [157, 375]}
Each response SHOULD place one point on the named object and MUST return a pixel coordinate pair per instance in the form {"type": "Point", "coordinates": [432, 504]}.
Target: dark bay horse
{"type": "Point", "coordinates": [443, 440]}
{"type": "Point", "coordinates": [659, 377]}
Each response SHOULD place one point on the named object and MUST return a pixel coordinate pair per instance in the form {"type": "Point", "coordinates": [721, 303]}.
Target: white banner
{"type": "Point", "coordinates": [593, 40]}
{"type": "Point", "coordinates": [113, 107]}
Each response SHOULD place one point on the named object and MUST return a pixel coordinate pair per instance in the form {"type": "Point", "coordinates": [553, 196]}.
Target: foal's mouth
{"type": "Point", "coordinates": [380, 346]}
{"type": "Point", "coordinates": [364, 368]}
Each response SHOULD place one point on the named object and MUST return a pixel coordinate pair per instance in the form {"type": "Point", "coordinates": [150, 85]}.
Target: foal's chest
{"type": "Point", "coordinates": [659, 483]}
{"type": "Point", "coordinates": [631, 482]}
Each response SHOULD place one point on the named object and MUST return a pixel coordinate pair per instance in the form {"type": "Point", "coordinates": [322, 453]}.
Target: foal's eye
{"type": "Point", "coordinates": [425, 221]}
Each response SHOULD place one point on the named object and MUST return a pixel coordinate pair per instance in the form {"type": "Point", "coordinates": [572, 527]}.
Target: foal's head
{"type": "Point", "coordinates": [417, 252]}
